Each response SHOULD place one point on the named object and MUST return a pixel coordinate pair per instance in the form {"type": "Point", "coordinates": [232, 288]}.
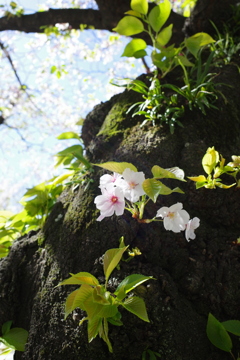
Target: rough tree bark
{"type": "Point", "coordinates": [192, 279]}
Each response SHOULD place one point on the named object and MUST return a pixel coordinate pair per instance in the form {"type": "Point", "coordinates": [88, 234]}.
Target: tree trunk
{"type": "Point", "coordinates": [192, 279]}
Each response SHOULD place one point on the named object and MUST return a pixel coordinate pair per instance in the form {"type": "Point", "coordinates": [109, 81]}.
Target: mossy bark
{"type": "Point", "coordinates": [192, 279]}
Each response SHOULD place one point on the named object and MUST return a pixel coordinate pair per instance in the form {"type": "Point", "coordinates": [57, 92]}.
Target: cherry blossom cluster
{"type": "Point", "coordinates": [177, 219]}
{"type": "Point", "coordinates": [115, 189]}
{"type": "Point", "coordinates": [125, 191]}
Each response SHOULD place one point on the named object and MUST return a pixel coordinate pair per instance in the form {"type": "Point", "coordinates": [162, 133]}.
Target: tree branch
{"type": "Point", "coordinates": [100, 20]}
{"type": "Point", "coordinates": [35, 22]}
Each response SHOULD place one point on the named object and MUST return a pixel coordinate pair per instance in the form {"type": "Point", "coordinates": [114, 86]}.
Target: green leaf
{"type": "Point", "coordinates": [6, 327]}
{"type": "Point", "coordinates": [68, 135]}
{"type": "Point", "coordinates": [100, 295]}
{"type": "Point", "coordinates": [71, 150]}
{"type": "Point", "coordinates": [152, 188]}
{"type": "Point", "coordinates": [69, 304]}
{"type": "Point", "coordinates": [159, 15]}
{"type": "Point", "coordinates": [130, 283]}
{"type": "Point", "coordinates": [184, 60]}
{"type": "Point", "coordinates": [108, 311]}
{"type": "Point", "coordinates": [116, 166]}
{"type": "Point", "coordinates": [195, 42]}
{"type": "Point", "coordinates": [116, 319]}
{"type": "Point", "coordinates": [129, 26]}
{"type": "Point", "coordinates": [111, 260]}
{"type": "Point", "coordinates": [136, 306]}
{"type": "Point", "coordinates": [133, 13]}
{"type": "Point", "coordinates": [165, 35]}
{"type": "Point", "coordinates": [16, 337]}
{"type": "Point", "coordinates": [217, 334]}
{"type": "Point", "coordinates": [200, 178]}
{"type": "Point", "coordinates": [40, 188]}
{"type": "Point", "coordinates": [77, 298]}
{"type": "Point", "coordinates": [140, 6]}
{"type": "Point", "coordinates": [103, 333]}
{"type": "Point", "coordinates": [134, 46]}
{"type": "Point", "coordinates": [80, 278]}
{"type": "Point", "coordinates": [60, 179]}
{"type": "Point", "coordinates": [93, 327]}
{"type": "Point", "coordinates": [171, 173]}
{"type": "Point", "coordinates": [140, 54]}
{"type": "Point", "coordinates": [233, 326]}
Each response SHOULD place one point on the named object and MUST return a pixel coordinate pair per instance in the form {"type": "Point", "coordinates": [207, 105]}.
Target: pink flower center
{"type": "Point", "coordinates": [114, 199]}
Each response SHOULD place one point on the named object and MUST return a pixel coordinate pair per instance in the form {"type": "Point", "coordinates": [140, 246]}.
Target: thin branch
{"type": "Point", "coordinates": [146, 65]}
{"type": "Point", "coordinates": [22, 86]}
{"type": "Point", "coordinates": [4, 49]}
{"type": "Point", "coordinates": [17, 131]}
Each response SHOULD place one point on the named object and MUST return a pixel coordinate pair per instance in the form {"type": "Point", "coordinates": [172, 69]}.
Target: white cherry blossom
{"type": "Point", "coordinates": [111, 201]}
{"type": "Point", "coordinates": [190, 227]}
{"type": "Point", "coordinates": [174, 217]}
{"type": "Point", "coordinates": [115, 179]}
{"type": "Point", "coordinates": [132, 188]}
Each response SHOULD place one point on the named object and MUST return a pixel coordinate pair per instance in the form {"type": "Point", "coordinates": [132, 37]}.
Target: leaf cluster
{"type": "Point", "coordinates": [101, 305]}
{"type": "Point", "coordinates": [198, 89]}
{"type": "Point", "coordinates": [38, 201]}
{"type": "Point", "coordinates": [214, 166]}
{"type": "Point", "coordinates": [138, 20]}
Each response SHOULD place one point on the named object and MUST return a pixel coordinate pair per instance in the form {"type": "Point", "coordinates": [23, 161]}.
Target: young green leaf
{"type": "Point", "coordinates": [140, 54]}
{"type": "Point", "coordinates": [100, 295]}
{"type": "Point", "coordinates": [195, 42]}
{"type": "Point", "coordinates": [165, 35]}
{"type": "Point", "coordinates": [217, 334]}
{"type": "Point", "coordinates": [159, 15]}
{"type": "Point", "coordinates": [6, 327]}
{"type": "Point", "coordinates": [200, 178]}
{"type": "Point", "coordinates": [233, 326]}
{"type": "Point", "coordinates": [17, 338]}
{"type": "Point", "coordinates": [60, 179]}
{"type": "Point", "coordinates": [69, 304]}
{"type": "Point", "coordinates": [129, 26]}
{"type": "Point", "coordinates": [116, 166]}
{"type": "Point", "coordinates": [103, 333]}
{"type": "Point", "coordinates": [116, 319]}
{"type": "Point", "coordinates": [152, 188]}
{"type": "Point", "coordinates": [133, 13]}
{"type": "Point", "coordinates": [171, 173]}
{"type": "Point", "coordinates": [80, 278]}
{"type": "Point", "coordinates": [76, 149]}
{"type": "Point", "coordinates": [130, 283]}
{"type": "Point", "coordinates": [140, 6]}
{"type": "Point", "coordinates": [134, 46]}
{"type": "Point", "coordinates": [77, 298]}
{"type": "Point", "coordinates": [136, 306]}
{"type": "Point", "coordinates": [111, 260]}
{"type": "Point", "coordinates": [68, 135]}
{"type": "Point", "coordinates": [93, 327]}
{"type": "Point", "coordinates": [108, 311]}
